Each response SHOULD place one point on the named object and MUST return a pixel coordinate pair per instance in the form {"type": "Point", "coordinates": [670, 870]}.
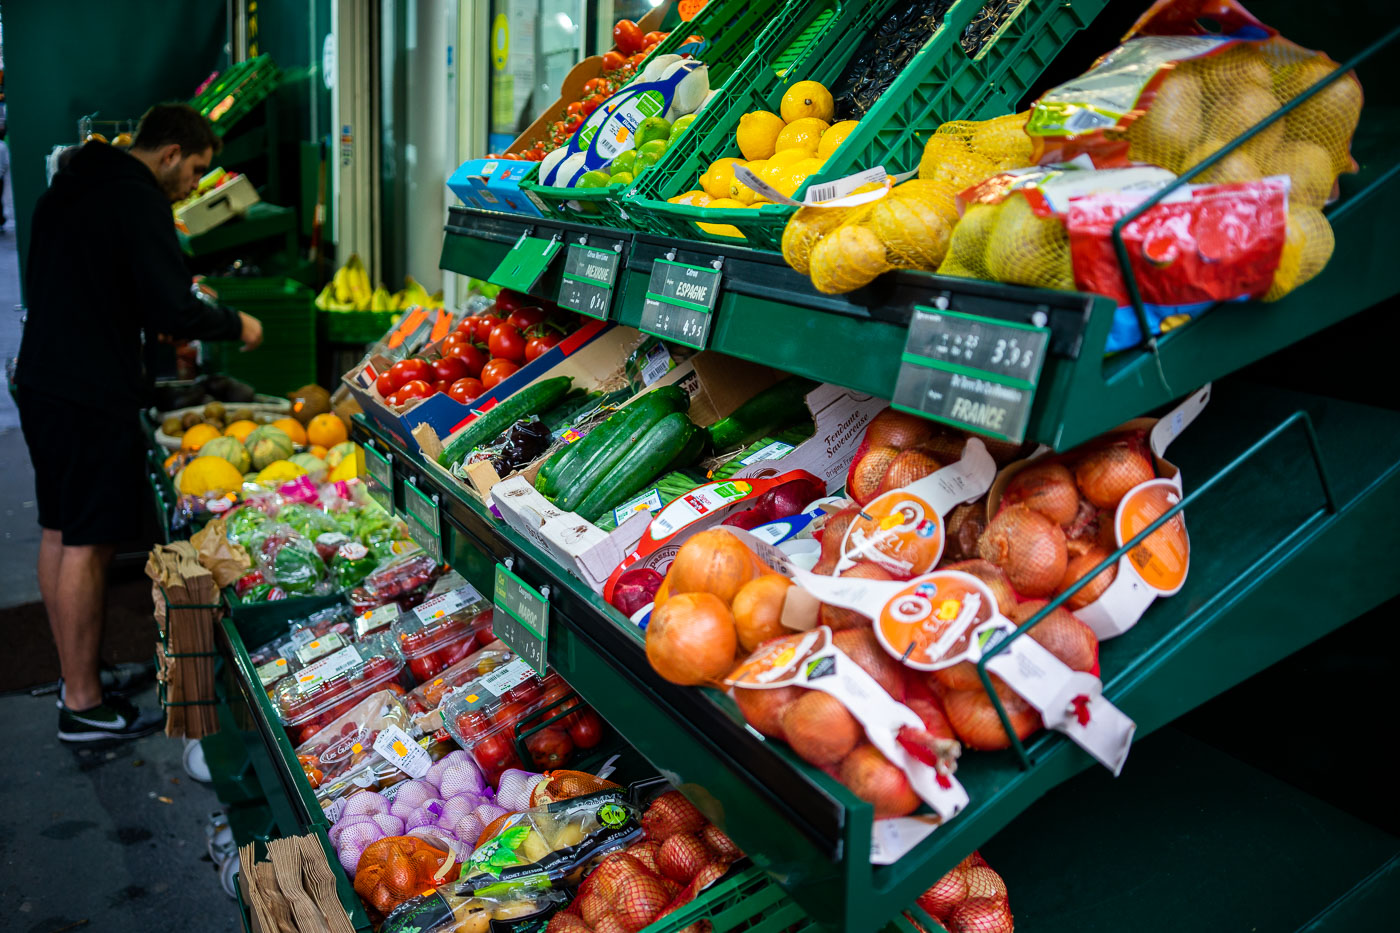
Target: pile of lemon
{"type": "Point", "coordinates": [781, 148]}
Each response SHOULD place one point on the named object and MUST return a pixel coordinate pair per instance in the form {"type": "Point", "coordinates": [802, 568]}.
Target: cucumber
{"type": "Point", "coordinates": [601, 446]}
{"type": "Point", "coordinates": [775, 407]}
{"type": "Point", "coordinates": [640, 463]}
{"type": "Point", "coordinates": [530, 400]}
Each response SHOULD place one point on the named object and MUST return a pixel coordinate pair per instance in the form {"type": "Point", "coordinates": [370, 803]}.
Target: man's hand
{"type": "Point", "coordinates": [252, 331]}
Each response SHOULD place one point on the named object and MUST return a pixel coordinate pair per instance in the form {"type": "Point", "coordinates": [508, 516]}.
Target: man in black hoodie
{"type": "Point", "coordinates": [104, 269]}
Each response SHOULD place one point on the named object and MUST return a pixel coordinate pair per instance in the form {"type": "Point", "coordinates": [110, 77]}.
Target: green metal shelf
{"type": "Point", "coordinates": [1201, 840]}
{"type": "Point", "coordinates": [1254, 536]}
{"type": "Point", "coordinates": [1081, 393]}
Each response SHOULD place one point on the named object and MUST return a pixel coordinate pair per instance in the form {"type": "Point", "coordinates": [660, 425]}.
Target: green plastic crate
{"type": "Point", "coordinates": [939, 84]}
{"type": "Point", "coordinates": [731, 28]}
{"type": "Point", "coordinates": [232, 95]}
{"type": "Point", "coordinates": [287, 358]}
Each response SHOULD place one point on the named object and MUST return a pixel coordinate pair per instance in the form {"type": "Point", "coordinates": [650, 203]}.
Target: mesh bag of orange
{"type": "Point", "coordinates": [1051, 227]}
{"type": "Point", "coordinates": [845, 247]}
{"type": "Point", "coordinates": [1191, 76]}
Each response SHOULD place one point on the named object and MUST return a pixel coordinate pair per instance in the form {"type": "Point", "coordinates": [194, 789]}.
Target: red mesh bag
{"type": "Point", "coordinates": [395, 869]}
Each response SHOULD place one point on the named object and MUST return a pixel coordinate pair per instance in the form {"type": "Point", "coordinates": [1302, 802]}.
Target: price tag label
{"type": "Point", "coordinates": [973, 372]}
{"type": "Point", "coordinates": [379, 469]}
{"type": "Point", "coordinates": [680, 302]}
{"type": "Point", "coordinates": [525, 262]}
{"type": "Point", "coordinates": [590, 274]}
{"type": "Point", "coordinates": [521, 619]}
{"type": "Point", "coordinates": [400, 750]}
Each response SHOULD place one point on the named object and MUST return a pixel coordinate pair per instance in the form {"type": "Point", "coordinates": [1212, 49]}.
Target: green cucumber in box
{"type": "Point", "coordinates": [530, 400]}
{"type": "Point", "coordinates": [776, 407]}
{"type": "Point", "coordinates": [640, 464]}
{"type": "Point", "coordinates": [580, 455]}
{"type": "Point", "coordinates": [577, 477]}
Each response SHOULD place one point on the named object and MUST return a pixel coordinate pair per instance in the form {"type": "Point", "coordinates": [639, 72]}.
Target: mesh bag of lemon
{"type": "Point", "coordinates": [1175, 93]}
{"type": "Point", "coordinates": [1051, 227]}
{"type": "Point", "coordinates": [781, 148]}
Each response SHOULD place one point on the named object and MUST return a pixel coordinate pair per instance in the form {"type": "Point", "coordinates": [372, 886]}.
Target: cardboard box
{"type": "Point", "coordinates": [440, 412]}
{"type": "Point", "coordinates": [229, 200]}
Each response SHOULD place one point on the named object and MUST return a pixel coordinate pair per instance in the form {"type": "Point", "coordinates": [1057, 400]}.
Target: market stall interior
{"type": "Point", "coordinates": [866, 466]}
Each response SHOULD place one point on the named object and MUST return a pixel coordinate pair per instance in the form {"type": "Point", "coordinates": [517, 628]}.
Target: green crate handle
{"type": "Point", "coordinates": [1299, 417]}
{"type": "Point", "coordinates": [1149, 339]}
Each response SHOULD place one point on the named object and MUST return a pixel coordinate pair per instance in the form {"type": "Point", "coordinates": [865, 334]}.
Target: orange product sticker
{"type": "Point", "coordinates": [930, 619]}
{"type": "Point", "coordinates": [1164, 556]}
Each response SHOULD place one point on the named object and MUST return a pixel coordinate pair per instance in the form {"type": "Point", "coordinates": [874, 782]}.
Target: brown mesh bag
{"type": "Point", "coordinates": [395, 869]}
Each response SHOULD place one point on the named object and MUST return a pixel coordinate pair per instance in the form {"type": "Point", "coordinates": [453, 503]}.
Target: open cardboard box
{"type": "Point", "coordinates": [442, 413]}
{"type": "Point", "coordinates": [718, 385]}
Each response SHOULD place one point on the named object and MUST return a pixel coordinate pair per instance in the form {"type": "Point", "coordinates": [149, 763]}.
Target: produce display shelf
{"type": "Point", "coordinates": [1253, 534]}
{"type": "Point", "coordinates": [1081, 393]}
{"type": "Point", "coordinates": [262, 221]}
{"type": "Point", "coordinates": [1199, 838]}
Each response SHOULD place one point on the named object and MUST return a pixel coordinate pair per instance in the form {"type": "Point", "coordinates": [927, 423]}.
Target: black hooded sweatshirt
{"type": "Point", "coordinates": [104, 266]}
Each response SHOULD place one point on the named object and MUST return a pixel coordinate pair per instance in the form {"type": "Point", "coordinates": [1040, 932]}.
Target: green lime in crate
{"type": "Point", "coordinates": [730, 29]}
{"type": "Point", "coordinates": [979, 61]}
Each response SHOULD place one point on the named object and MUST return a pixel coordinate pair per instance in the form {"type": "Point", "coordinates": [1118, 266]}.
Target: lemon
{"type": "Point", "coordinates": [717, 177]}
{"type": "Point", "coordinates": [757, 132]}
{"type": "Point", "coordinates": [789, 156]}
{"type": "Point", "coordinates": [805, 133]}
{"type": "Point", "coordinates": [693, 198]}
{"type": "Point", "coordinates": [833, 138]}
{"type": "Point", "coordinates": [807, 99]}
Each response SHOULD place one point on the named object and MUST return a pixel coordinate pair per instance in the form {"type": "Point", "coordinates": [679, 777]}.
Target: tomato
{"type": "Point", "coordinates": [496, 372]}
{"type": "Point", "coordinates": [385, 384]}
{"type": "Point", "coordinates": [464, 390]}
{"type": "Point", "coordinates": [450, 368]}
{"type": "Point", "coordinates": [652, 38]}
{"type": "Point", "coordinates": [494, 754]}
{"type": "Point", "coordinates": [405, 371]}
{"type": "Point", "coordinates": [415, 389]}
{"type": "Point", "coordinates": [627, 36]}
{"type": "Point", "coordinates": [550, 748]}
{"type": "Point", "coordinates": [526, 318]}
{"type": "Point", "coordinates": [507, 343]}
{"type": "Point", "coordinates": [588, 730]}
{"type": "Point", "coordinates": [539, 346]}
{"type": "Point", "coordinates": [612, 60]}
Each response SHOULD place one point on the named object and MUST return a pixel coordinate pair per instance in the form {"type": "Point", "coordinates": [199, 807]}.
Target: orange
{"type": "Point", "coordinates": [293, 429]}
{"type": "Point", "coordinates": [325, 431]}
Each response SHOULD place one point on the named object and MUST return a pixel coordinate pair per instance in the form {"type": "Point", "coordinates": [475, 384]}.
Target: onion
{"type": "Point", "coordinates": [837, 618]}
{"type": "Point", "coordinates": [908, 467]}
{"type": "Point", "coordinates": [868, 471]}
{"type": "Point", "coordinates": [763, 709]}
{"type": "Point", "coordinates": [1077, 567]}
{"type": "Point", "coordinates": [635, 588]}
{"type": "Point", "coordinates": [1105, 475]}
{"type": "Point", "coordinates": [691, 640]}
{"type": "Point", "coordinates": [758, 610]}
{"type": "Point", "coordinates": [1029, 547]}
{"type": "Point", "coordinates": [1062, 634]}
{"type": "Point", "coordinates": [819, 728]}
{"type": "Point", "coordinates": [975, 719]}
{"type": "Point", "coordinates": [871, 777]}
{"type": "Point", "coordinates": [1046, 487]}
{"type": "Point", "coordinates": [891, 428]}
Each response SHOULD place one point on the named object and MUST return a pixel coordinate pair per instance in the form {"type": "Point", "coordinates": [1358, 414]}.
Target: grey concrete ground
{"type": "Point", "coordinates": [104, 839]}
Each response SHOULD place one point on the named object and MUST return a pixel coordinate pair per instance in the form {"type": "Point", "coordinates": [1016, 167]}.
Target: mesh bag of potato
{"type": "Point", "coordinates": [1051, 227]}
{"type": "Point", "coordinates": [845, 247]}
{"type": "Point", "coordinates": [1174, 93]}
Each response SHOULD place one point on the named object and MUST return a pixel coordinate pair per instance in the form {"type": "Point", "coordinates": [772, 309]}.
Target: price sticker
{"type": "Point", "coordinates": [680, 302]}
{"type": "Point", "coordinates": [590, 274]}
{"type": "Point", "coordinates": [400, 750]}
{"type": "Point", "coordinates": [970, 371]}
{"type": "Point", "coordinates": [521, 618]}
{"type": "Point", "coordinates": [525, 262]}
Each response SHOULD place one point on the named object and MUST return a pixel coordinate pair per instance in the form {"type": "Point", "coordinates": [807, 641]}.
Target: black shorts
{"type": "Point", "coordinates": [89, 468]}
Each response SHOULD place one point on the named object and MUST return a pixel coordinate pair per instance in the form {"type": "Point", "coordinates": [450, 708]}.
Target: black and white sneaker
{"type": "Point", "coordinates": [123, 679]}
{"type": "Point", "coordinates": [114, 719]}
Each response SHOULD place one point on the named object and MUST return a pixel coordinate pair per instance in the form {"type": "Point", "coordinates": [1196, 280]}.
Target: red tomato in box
{"type": "Point", "coordinates": [471, 355]}
{"type": "Point", "coordinates": [464, 390]}
{"type": "Point", "coordinates": [496, 372]}
{"type": "Point", "coordinates": [449, 369]}
{"type": "Point", "coordinates": [406, 371]}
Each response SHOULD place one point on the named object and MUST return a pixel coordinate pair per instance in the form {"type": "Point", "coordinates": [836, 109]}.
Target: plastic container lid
{"type": "Point", "coordinates": [329, 686]}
